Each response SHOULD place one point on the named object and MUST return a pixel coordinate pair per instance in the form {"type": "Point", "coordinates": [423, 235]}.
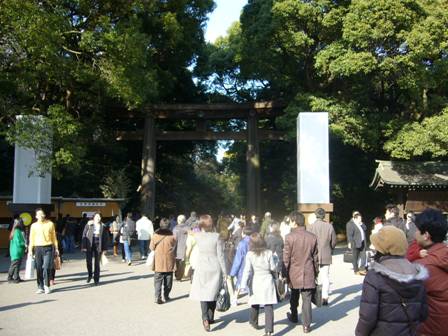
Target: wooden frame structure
{"type": "Point", "coordinates": [201, 113]}
{"type": "Point", "coordinates": [416, 185]}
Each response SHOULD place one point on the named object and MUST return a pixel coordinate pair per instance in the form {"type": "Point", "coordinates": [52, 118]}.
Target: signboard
{"type": "Point", "coordinates": [90, 204]}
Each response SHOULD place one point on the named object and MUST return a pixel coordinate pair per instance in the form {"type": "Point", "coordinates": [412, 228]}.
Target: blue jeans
{"type": "Point", "coordinates": [44, 264]}
{"type": "Point", "coordinates": [69, 244]}
{"type": "Point", "coordinates": [144, 246]}
{"type": "Point", "coordinates": [127, 251]}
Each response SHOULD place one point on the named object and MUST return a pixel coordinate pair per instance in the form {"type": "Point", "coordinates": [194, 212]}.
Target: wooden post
{"type": "Point", "coordinates": [148, 186]}
{"type": "Point", "coordinates": [253, 166]}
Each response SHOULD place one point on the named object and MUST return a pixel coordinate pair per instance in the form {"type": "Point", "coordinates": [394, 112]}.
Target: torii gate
{"type": "Point", "coordinates": [201, 113]}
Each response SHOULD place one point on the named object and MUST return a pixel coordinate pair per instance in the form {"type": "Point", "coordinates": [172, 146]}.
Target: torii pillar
{"type": "Point", "coordinates": [148, 168]}
{"type": "Point", "coordinates": [253, 166]}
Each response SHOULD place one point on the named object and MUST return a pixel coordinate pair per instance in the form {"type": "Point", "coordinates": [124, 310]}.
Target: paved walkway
{"type": "Point", "coordinates": [123, 305]}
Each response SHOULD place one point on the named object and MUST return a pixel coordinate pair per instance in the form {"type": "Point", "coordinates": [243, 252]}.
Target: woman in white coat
{"type": "Point", "coordinates": [260, 266]}
{"type": "Point", "coordinates": [210, 269]}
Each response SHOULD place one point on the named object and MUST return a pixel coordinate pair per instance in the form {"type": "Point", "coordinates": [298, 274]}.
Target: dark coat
{"type": "Point", "coordinates": [87, 238]}
{"type": "Point", "coordinates": [397, 222]}
{"type": "Point", "coordinates": [300, 258]}
{"type": "Point", "coordinates": [354, 235]}
{"type": "Point", "coordinates": [389, 282]}
{"type": "Point", "coordinates": [437, 290]}
{"type": "Point", "coordinates": [326, 240]}
{"type": "Point", "coordinates": [127, 229]}
{"type": "Point", "coordinates": [164, 243]}
{"type": "Point", "coordinates": [274, 242]}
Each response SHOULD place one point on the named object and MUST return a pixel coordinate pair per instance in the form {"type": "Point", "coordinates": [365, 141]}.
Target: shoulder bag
{"type": "Point", "coordinates": [150, 260]}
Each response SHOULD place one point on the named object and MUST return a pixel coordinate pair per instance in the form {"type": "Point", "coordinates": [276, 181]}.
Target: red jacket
{"type": "Point", "coordinates": [413, 252]}
{"type": "Point", "coordinates": [436, 290]}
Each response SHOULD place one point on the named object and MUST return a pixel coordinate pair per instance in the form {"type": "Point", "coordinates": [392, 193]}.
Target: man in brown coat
{"type": "Point", "coordinates": [163, 244]}
{"type": "Point", "coordinates": [300, 258]}
{"type": "Point", "coordinates": [326, 242]}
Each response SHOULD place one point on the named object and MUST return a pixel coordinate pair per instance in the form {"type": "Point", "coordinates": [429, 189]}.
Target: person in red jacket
{"type": "Point", "coordinates": [431, 231]}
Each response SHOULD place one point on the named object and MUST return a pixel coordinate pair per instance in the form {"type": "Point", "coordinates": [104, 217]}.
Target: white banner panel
{"type": "Point", "coordinates": [313, 173]}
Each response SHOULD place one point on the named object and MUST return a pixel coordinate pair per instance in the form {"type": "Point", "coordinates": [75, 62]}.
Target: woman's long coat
{"type": "Point", "coordinates": [260, 268]}
{"type": "Point", "coordinates": [210, 268]}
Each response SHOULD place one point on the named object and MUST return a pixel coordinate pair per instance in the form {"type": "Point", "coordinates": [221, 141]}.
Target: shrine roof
{"type": "Point", "coordinates": [411, 175]}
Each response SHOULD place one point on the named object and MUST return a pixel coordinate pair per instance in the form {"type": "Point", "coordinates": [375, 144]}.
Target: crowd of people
{"type": "Point", "coordinates": [405, 289]}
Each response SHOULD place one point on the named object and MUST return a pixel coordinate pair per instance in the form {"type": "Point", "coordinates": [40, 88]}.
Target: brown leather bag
{"type": "Point", "coordinates": [57, 263]}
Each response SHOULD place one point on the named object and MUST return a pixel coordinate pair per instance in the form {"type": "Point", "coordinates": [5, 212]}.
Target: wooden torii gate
{"type": "Point", "coordinates": [251, 112]}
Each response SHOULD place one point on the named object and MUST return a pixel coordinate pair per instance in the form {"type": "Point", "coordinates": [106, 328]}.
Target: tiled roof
{"type": "Point", "coordinates": [410, 175]}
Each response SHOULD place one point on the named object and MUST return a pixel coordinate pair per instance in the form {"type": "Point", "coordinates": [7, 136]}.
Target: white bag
{"type": "Point", "coordinates": [104, 260]}
{"type": "Point", "coordinates": [150, 260]}
{"type": "Point", "coordinates": [29, 269]}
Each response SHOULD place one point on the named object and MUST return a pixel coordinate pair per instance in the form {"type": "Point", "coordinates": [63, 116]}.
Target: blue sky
{"type": "Point", "coordinates": [225, 13]}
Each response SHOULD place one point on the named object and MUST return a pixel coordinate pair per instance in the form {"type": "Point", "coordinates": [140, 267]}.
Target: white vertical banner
{"type": "Point", "coordinates": [30, 186]}
{"type": "Point", "coordinates": [313, 172]}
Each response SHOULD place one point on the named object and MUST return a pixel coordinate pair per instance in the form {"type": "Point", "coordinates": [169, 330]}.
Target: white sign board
{"type": "Point", "coordinates": [29, 187]}
{"type": "Point", "coordinates": [313, 173]}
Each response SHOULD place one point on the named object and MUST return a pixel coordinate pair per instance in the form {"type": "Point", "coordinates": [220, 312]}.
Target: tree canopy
{"type": "Point", "coordinates": [378, 67]}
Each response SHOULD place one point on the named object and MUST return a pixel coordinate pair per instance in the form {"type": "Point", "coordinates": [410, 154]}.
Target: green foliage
{"type": "Point", "coordinates": [116, 184]}
{"type": "Point", "coordinates": [378, 67]}
{"type": "Point", "coordinates": [54, 139]}
{"type": "Point", "coordinates": [429, 137]}
{"type": "Point", "coordinates": [88, 58]}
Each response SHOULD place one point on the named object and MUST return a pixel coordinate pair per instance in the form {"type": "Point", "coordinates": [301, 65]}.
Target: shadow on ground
{"type": "Point", "coordinates": [24, 304]}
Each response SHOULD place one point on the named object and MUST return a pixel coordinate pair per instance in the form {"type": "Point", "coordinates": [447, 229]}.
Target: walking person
{"type": "Point", "coordinates": [69, 233]}
{"type": "Point", "coordinates": [239, 260]}
{"type": "Point", "coordinates": [115, 230]}
{"type": "Point", "coordinates": [431, 232]}
{"type": "Point", "coordinates": [274, 242]}
{"type": "Point", "coordinates": [43, 245]}
{"type": "Point", "coordinates": [181, 234]}
{"type": "Point", "coordinates": [392, 217]}
{"type": "Point", "coordinates": [260, 266]}
{"type": "Point", "coordinates": [356, 237]}
{"type": "Point", "coordinates": [210, 270]}
{"type": "Point", "coordinates": [17, 246]}
{"type": "Point", "coordinates": [326, 242]}
{"type": "Point", "coordinates": [127, 230]}
{"type": "Point", "coordinates": [393, 300]}
{"type": "Point", "coordinates": [410, 227]}
{"type": "Point", "coordinates": [301, 261]}
{"type": "Point", "coordinates": [60, 239]}
{"type": "Point", "coordinates": [145, 230]}
{"type": "Point", "coordinates": [284, 227]}
{"type": "Point", "coordinates": [266, 224]}
{"type": "Point", "coordinates": [94, 244]}
{"type": "Point", "coordinates": [163, 243]}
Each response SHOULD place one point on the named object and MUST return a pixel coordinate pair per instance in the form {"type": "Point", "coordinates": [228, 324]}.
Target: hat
{"type": "Point", "coordinates": [390, 240]}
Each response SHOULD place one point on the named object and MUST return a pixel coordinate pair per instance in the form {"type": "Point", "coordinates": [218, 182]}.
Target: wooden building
{"type": "Point", "coordinates": [75, 207]}
{"type": "Point", "coordinates": [417, 185]}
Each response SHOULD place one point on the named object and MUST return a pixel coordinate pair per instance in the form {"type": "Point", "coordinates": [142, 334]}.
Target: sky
{"type": "Point", "coordinates": [225, 13]}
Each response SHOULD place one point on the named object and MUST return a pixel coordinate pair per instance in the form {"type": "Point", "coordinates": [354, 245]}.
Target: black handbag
{"type": "Point", "coordinates": [348, 256]}
{"type": "Point", "coordinates": [316, 297]}
{"type": "Point", "coordinates": [280, 284]}
{"type": "Point", "coordinates": [223, 298]}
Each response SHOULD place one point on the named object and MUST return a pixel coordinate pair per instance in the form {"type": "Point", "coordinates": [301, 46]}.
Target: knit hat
{"type": "Point", "coordinates": [390, 240]}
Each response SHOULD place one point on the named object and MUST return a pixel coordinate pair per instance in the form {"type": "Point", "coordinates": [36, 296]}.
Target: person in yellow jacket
{"type": "Point", "coordinates": [43, 245]}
